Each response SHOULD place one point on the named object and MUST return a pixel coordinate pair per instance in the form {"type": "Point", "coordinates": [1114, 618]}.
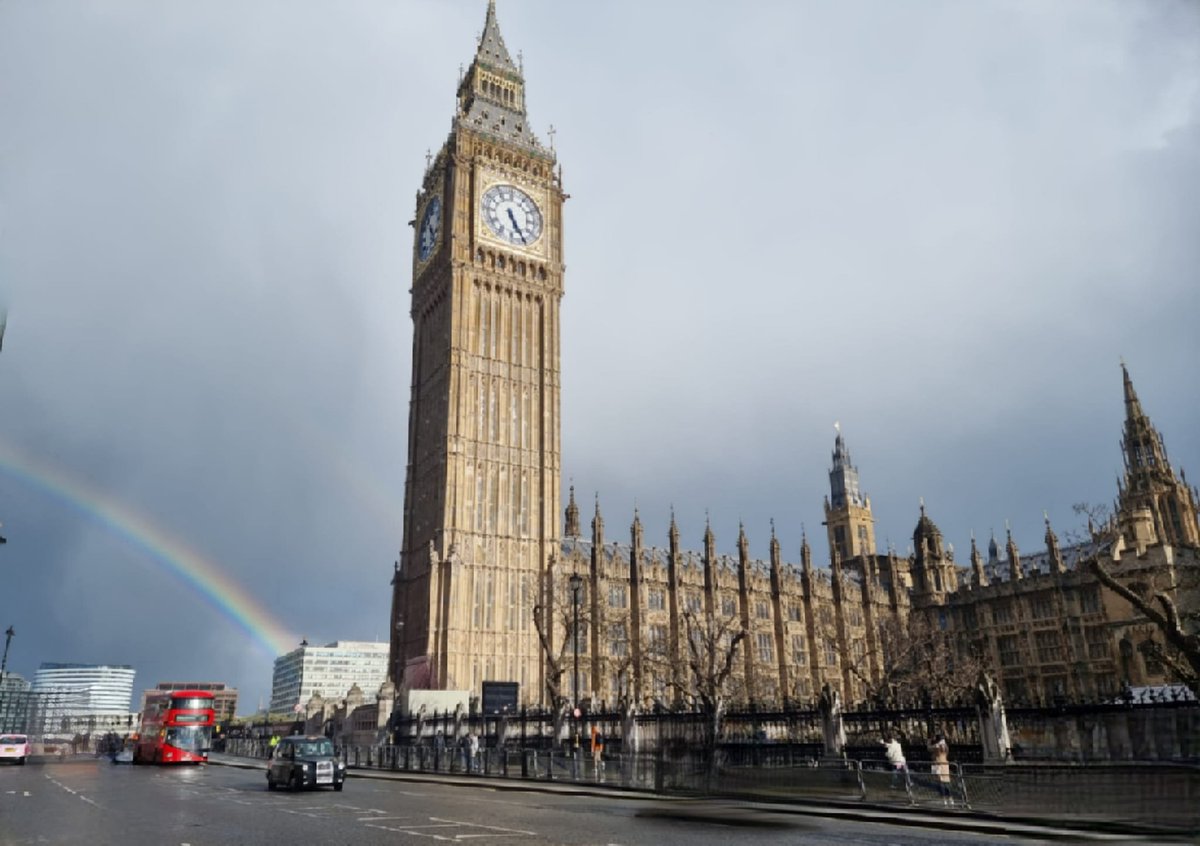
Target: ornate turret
{"type": "Point", "coordinates": [571, 529]}
{"type": "Point", "coordinates": [1015, 571]}
{"type": "Point", "coordinates": [776, 563]}
{"type": "Point", "coordinates": [933, 565]}
{"type": "Point", "coordinates": [979, 576]}
{"type": "Point", "coordinates": [848, 518]}
{"type": "Point", "coordinates": [1150, 483]}
{"type": "Point", "coordinates": [710, 567]}
{"type": "Point", "coordinates": [597, 527]}
{"type": "Point", "coordinates": [635, 602]}
{"type": "Point", "coordinates": [1057, 564]}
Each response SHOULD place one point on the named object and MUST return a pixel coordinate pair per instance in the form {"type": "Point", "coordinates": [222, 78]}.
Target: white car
{"type": "Point", "coordinates": [14, 747]}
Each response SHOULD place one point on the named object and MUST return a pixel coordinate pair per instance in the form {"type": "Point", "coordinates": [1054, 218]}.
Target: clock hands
{"type": "Point", "coordinates": [512, 217]}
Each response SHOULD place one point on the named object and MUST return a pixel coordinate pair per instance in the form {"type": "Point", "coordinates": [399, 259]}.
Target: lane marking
{"type": "Point", "coordinates": [490, 827]}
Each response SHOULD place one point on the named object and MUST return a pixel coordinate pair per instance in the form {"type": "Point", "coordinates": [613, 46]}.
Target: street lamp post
{"type": "Point", "coordinates": [576, 586]}
{"type": "Point", "coordinates": [8, 636]}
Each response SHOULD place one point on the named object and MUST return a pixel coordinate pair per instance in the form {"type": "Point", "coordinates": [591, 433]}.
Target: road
{"type": "Point", "coordinates": [97, 803]}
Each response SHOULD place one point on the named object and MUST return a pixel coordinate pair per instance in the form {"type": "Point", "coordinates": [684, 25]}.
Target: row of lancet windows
{"type": "Point", "coordinates": [499, 498]}
{"type": "Point", "coordinates": [504, 93]}
{"type": "Point", "coordinates": [506, 327]}
{"type": "Point", "coordinates": [506, 157]}
{"type": "Point", "coordinates": [497, 261]}
{"type": "Point", "coordinates": [504, 412]}
{"type": "Point", "coordinates": [489, 586]}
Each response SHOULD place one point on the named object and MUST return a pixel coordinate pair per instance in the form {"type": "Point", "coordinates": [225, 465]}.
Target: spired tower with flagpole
{"type": "Point", "coordinates": [481, 526]}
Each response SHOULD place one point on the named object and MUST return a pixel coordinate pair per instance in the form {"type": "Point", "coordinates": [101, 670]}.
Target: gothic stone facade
{"type": "Point", "coordinates": [1042, 624]}
{"type": "Point", "coordinates": [482, 488]}
{"type": "Point", "coordinates": [482, 543]}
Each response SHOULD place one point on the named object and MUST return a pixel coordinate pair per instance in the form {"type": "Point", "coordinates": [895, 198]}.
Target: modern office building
{"type": "Point", "coordinates": [329, 670]}
{"type": "Point", "coordinates": [66, 693]}
{"type": "Point", "coordinates": [14, 694]}
{"type": "Point", "coordinates": [88, 688]}
{"type": "Point", "coordinates": [225, 698]}
{"type": "Point", "coordinates": [14, 682]}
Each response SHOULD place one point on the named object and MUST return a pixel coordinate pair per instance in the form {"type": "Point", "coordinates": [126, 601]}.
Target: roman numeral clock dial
{"type": "Point", "coordinates": [511, 215]}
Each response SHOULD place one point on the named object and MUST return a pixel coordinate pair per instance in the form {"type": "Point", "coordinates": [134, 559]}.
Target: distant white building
{"type": "Point", "coordinates": [14, 682]}
{"type": "Point", "coordinates": [67, 695]}
{"type": "Point", "coordinates": [329, 670]}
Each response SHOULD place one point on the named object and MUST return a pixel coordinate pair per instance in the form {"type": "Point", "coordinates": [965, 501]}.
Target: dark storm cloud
{"type": "Point", "coordinates": [940, 224]}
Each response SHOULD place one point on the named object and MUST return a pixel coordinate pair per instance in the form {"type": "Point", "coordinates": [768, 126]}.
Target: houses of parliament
{"type": "Point", "coordinates": [485, 549]}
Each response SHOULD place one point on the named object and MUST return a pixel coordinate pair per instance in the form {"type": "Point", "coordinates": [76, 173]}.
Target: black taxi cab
{"type": "Point", "coordinates": [305, 761]}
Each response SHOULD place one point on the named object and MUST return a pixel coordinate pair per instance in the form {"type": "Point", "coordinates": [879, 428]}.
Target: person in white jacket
{"type": "Point", "coordinates": [895, 758]}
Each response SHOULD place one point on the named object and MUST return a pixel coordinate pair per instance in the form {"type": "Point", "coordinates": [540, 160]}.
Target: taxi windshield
{"type": "Point", "coordinates": [314, 748]}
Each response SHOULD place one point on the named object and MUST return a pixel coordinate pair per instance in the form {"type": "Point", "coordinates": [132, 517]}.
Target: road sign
{"type": "Point", "coordinates": [500, 697]}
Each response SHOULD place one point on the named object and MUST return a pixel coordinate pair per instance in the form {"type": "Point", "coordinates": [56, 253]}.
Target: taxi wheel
{"type": "Point", "coordinates": [295, 782]}
{"type": "Point", "coordinates": [338, 786]}
{"type": "Point", "coordinates": [270, 782]}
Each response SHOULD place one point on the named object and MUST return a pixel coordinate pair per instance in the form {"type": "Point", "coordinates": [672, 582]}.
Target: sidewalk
{"type": "Point", "coordinates": [751, 813]}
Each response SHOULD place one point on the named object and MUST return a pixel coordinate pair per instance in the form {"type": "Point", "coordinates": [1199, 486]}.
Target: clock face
{"type": "Point", "coordinates": [427, 232]}
{"type": "Point", "coordinates": [512, 215]}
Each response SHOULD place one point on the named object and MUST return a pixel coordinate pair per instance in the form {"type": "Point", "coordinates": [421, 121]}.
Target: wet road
{"type": "Point", "coordinates": [98, 803]}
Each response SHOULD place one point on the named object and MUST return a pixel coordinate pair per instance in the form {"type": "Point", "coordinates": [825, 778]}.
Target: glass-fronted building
{"type": "Point", "coordinates": [330, 670]}
{"type": "Point", "coordinates": [64, 692]}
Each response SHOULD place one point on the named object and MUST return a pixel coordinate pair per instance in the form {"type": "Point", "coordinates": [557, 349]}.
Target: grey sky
{"type": "Point", "coordinates": [940, 223]}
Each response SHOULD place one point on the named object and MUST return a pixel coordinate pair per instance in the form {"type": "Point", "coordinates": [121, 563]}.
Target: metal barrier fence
{"type": "Point", "coordinates": [1162, 795]}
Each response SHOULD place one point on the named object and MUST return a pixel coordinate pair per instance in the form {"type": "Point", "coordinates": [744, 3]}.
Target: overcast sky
{"type": "Point", "coordinates": [939, 223]}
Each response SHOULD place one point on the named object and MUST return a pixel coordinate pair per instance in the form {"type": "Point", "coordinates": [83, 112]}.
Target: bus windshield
{"type": "Point", "coordinates": [190, 738]}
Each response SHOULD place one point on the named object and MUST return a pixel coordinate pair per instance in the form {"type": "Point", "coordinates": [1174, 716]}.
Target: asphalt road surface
{"type": "Point", "coordinates": [95, 802]}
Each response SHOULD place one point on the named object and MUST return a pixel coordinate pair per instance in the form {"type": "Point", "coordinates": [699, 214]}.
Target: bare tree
{"type": "Point", "coordinates": [1156, 600]}
{"type": "Point", "coordinates": [712, 645]}
{"type": "Point", "coordinates": [559, 661]}
{"type": "Point", "coordinates": [919, 661]}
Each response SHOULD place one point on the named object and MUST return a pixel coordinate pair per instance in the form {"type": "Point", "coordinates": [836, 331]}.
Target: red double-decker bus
{"type": "Point", "coordinates": [177, 728]}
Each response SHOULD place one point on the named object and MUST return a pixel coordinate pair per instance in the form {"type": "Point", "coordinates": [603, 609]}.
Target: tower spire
{"type": "Point", "coordinates": [492, 51]}
{"type": "Point", "coordinates": [491, 94]}
{"type": "Point", "coordinates": [572, 527]}
{"type": "Point", "coordinates": [1149, 483]}
{"type": "Point", "coordinates": [848, 519]}
{"type": "Point", "coordinates": [1133, 408]}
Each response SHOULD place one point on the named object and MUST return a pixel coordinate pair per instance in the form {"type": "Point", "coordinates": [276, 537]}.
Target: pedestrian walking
{"type": "Point", "coordinates": [472, 751]}
{"type": "Point", "coordinates": [895, 758]}
{"type": "Point", "coordinates": [939, 753]}
{"type": "Point", "coordinates": [597, 752]}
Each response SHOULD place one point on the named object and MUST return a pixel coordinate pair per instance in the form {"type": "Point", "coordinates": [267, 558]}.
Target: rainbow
{"type": "Point", "coordinates": [188, 566]}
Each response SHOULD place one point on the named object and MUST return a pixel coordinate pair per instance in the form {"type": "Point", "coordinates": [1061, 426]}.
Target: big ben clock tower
{"type": "Point", "coordinates": [482, 487]}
